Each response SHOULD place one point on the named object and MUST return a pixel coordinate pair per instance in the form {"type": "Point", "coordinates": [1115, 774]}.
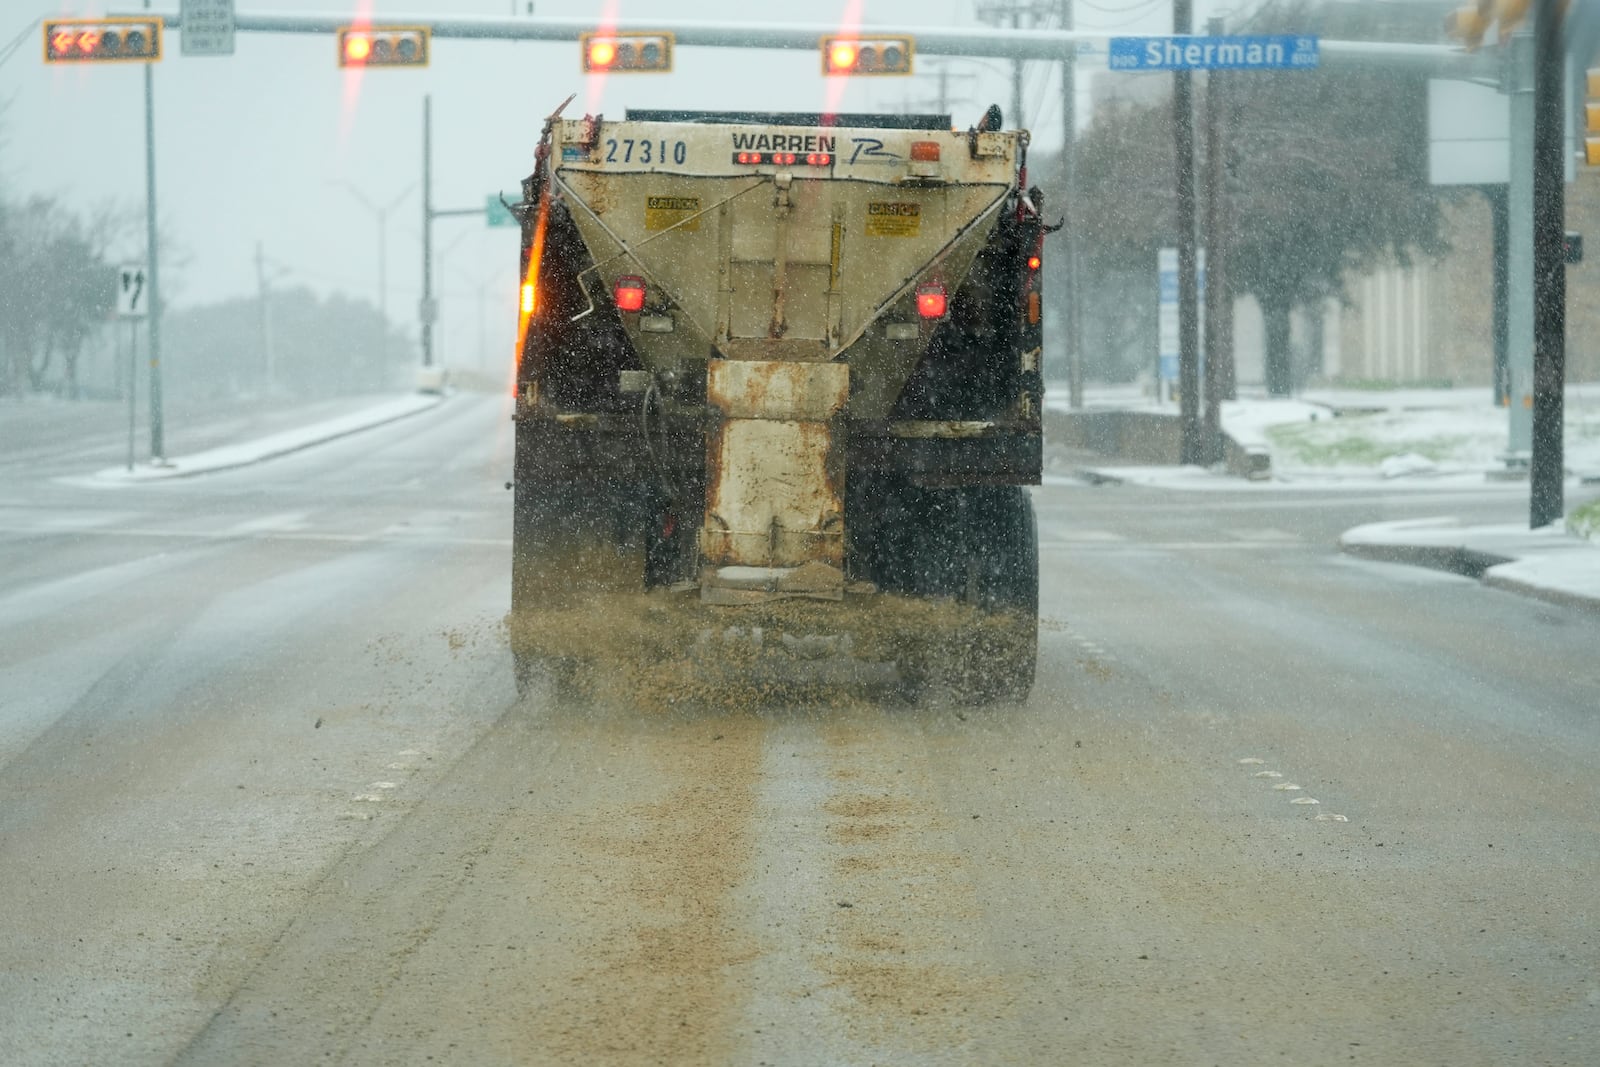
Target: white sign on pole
{"type": "Point", "coordinates": [133, 294]}
{"type": "Point", "coordinates": [1167, 309]}
{"type": "Point", "coordinates": [1469, 135]}
{"type": "Point", "coordinates": [207, 27]}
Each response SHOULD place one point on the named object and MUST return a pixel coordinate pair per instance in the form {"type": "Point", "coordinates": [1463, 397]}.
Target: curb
{"type": "Point", "coordinates": [1095, 476]}
{"type": "Point", "coordinates": [1495, 570]}
{"type": "Point", "coordinates": [1563, 598]}
{"type": "Point", "coordinates": [1456, 559]}
{"type": "Point", "coordinates": [339, 428]}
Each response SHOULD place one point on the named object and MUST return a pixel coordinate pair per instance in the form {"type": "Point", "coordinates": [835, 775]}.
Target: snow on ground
{"type": "Point", "coordinates": [1345, 435]}
{"type": "Point", "coordinates": [262, 448]}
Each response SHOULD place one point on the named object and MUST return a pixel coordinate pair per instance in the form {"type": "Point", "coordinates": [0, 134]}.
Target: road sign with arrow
{"type": "Point", "coordinates": [132, 299]}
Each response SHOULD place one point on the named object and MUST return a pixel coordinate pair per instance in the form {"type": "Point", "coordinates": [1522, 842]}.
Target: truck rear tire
{"type": "Point", "coordinates": [998, 663]}
{"type": "Point", "coordinates": [979, 548]}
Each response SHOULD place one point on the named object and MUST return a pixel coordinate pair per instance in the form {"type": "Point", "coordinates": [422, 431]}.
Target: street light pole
{"type": "Point", "coordinates": [382, 215]}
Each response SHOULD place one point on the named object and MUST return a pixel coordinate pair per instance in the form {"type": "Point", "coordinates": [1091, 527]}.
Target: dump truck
{"type": "Point", "coordinates": [778, 396]}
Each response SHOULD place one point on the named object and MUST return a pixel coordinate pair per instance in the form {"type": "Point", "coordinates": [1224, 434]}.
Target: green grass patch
{"type": "Point", "coordinates": [1385, 385]}
{"type": "Point", "coordinates": [1332, 445]}
{"type": "Point", "coordinates": [1585, 521]}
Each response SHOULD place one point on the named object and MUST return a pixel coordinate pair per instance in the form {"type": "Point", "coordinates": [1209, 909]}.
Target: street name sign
{"type": "Point", "coordinates": [207, 27]}
{"type": "Point", "coordinates": [133, 300]}
{"type": "Point", "coordinates": [1261, 52]}
{"type": "Point", "coordinates": [495, 211]}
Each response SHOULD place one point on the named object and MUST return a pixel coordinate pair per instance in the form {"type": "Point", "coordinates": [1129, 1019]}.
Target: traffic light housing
{"type": "Point", "coordinates": [383, 46]}
{"type": "Point", "coordinates": [119, 40]}
{"type": "Point", "coordinates": [1591, 114]}
{"type": "Point", "coordinates": [626, 53]}
{"type": "Point", "coordinates": [852, 55]}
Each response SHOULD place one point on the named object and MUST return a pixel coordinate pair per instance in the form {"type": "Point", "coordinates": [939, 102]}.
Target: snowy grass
{"type": "Point", "coordinates": [1330, 444]}
{"type": "Point", "coordinates": [1585, 521]}
{"type": "Point", "coordinates": [1450, 434]}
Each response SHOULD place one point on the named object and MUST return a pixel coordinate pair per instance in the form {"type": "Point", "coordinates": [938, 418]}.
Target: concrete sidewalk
{"type": "Point", "coordinates": [245, 453]}
{"type": "Point", "coordinates": [1548, 563]}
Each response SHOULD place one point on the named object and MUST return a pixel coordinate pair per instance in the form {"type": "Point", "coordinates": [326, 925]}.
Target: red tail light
{"type": "Point", "coordinates": [931, 301]}
{"type": "Point", "coordinates": [1034, 262]}
{"type": "Point", "coordinates": [629, 293]}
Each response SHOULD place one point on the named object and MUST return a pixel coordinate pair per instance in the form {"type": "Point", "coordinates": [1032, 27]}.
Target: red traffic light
{"type": "Point", "coordinates": [119, 40]}
{"type": "Point", "coordinates": [626, 53]}
{"type": "Point", "coordinates": [867, 55]}
{"type": "Point", "coordinates": [383, 46]}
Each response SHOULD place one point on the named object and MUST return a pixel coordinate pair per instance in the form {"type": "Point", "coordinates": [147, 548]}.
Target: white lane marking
{"type": "Point", "coordinates": [1261, 534]}
{"type": "Point", "coordinates": [281, 522]}
{"type": "Point", "coordinates": [408, 752]}
{"type": "Point", "coordinates": [400, 767]}
{"type": "Point", "coordinates": [274, 535]}
{"type": "Point", "coordinates": [368, 798]}
{"type": "Point", "coordinates": [86, 521]}
{"type": "Point", "coordinates": [1290, 787]}
{"type": "Point", "coordinates": [384, 785]}
{"type": "Point", "coordinates": [1137, 547]}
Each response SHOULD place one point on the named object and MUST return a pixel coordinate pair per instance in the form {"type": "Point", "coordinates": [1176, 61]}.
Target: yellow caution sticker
{"type": "Point", "coordinates": [661, 212]}
{"type": "Point", "coordinates": [889, 219]}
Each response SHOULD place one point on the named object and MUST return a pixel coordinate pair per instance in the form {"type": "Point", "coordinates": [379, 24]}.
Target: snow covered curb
{"type": "Point", "coordinates": [1548, 564]}
{"type": "Point", "coordinates": [228, 457]}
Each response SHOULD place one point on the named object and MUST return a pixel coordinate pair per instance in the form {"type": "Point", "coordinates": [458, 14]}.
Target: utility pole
{"type": "Point", "coordinates": [1549, 268]}
{"type": "Point", "coordinates": [158, 445]}
{"type": "Point", "coordinates": [1519, 75]}
{"type": "Point", "coordinates": [1072, 298]}
{"type": "Point", "coordinates": [1500, 224]}
{"type": "Point", "coordinates": [993, 14]}
{"type": "Point", "coordinates": [1219, 300]}
{"type": "Point", "coordinates": [428, 311]}
{"type": "Point", "coordinates": [1188, 312]}
{"type": "Point", "coordinates": [1016, 76]}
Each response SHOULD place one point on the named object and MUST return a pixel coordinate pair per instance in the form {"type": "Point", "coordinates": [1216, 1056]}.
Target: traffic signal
{"type": "Point", "coordinates": [383, 46]}
{"type": "Point", "coordinates": [626, 53]}
{"type": "Point", "coordinates": [1591, 114]}
{"type": "Point", "coordinates": [1469, 24]}
{"type": "Point", "coordinates": [120, 40]}
{"type": "Point", "coordinates": [867, 55]}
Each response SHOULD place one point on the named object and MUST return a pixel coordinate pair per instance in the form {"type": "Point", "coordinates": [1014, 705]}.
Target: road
{"type": "Point", "coordinates": [267, 796]}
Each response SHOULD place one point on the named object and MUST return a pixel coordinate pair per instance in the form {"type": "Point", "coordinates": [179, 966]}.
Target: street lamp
{"type": "Point", "coordinates": [382, 215]}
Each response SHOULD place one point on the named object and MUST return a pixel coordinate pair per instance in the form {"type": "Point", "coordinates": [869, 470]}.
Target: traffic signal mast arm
{"type": "Point", "coordinates": [1442, 60]}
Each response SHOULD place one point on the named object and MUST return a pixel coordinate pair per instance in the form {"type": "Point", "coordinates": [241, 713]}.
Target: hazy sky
{"type": "Point", "coordinates": [257, 147]}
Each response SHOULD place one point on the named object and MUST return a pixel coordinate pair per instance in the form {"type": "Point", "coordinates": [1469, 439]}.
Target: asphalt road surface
{"type": "Point", "coordinates": [268, 796]}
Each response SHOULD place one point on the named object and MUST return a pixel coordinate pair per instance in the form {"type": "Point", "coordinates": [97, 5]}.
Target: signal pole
{"type": "Point", "coordinates": [1549, 269]}
{"type": "Point", "coordinates": [158, 446]}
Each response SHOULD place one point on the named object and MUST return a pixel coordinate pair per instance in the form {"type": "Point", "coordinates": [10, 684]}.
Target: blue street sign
{"type": "Point", "coordinates": [1274, 52]}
